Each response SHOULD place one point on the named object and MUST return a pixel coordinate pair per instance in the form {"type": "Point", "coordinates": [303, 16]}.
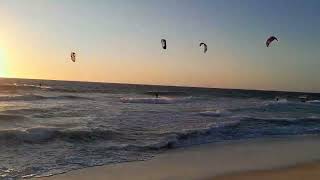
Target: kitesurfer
{"type": "Point", "coordinates": [164, 43]}
{"type": "Point", "coordinates": [205, 47]}
{"type": "Point", "coordinates": [270, 40]}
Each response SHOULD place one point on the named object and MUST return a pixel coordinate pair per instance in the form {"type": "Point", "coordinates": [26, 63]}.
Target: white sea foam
{"type": "Point", "coordinates": [314, 101]}
{"type": "Point", "coordinates": [148, 100]}
{"type": "Point", "coordinates": [215, 113]}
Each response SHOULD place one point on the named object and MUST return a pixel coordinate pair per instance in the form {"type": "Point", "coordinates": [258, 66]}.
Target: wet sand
{"type": "Point", "coordinates": [309, 171]}
{"type": "Point", "coordinates": [213, 160]}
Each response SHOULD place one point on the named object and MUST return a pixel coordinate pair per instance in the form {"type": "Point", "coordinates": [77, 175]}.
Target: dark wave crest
{"type": "Point", "coordinates": [46, 134]}
{"type": "Point", "coordinates": [243, 127]}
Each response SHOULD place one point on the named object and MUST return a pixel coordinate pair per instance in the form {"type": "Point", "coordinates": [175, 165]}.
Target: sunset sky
{"type": "Point", "coordinates": [119, 41]}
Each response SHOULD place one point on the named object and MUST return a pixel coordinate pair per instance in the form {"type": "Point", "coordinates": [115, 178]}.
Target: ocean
{"type": "Point", "coordinates": [51, 127]}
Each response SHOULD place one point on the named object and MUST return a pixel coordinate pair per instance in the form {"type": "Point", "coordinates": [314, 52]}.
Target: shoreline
{"type": "Point", "coordinates": [211, 161]}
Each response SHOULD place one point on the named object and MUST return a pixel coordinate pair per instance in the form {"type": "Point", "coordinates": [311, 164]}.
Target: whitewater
{"type": "Point", "coordinates": [51, 127]}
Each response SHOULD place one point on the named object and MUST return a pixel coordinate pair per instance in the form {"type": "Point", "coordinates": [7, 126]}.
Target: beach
{"type": "Point", "coordinates": [291, 158]}
{"type": "Point", "coordinates": [159, 90]}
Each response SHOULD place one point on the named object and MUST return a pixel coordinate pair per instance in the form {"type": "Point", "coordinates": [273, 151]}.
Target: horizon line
{"type": "Point", "coordinates": [163, 85]}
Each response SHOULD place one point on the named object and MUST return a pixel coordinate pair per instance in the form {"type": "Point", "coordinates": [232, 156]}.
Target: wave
{"type": "Point", "coordinates": [162, 100]}
{"type": "Point", "coordinates": [33, 97]}
{"type": "Point", "coordinates": [45, 134]}
{"type": "Point", "coordinates": [239, 128]}
{"type": "Point", "coordinates": [280, 102]}
{"type": "Point", "coordinates": [30, 97]}
{"type": "Point", "coordinates": [215, 113]}
{"type": "Point", "coordinates": [190, 137]}
{"type": "Point", "coordinates": [275, 106]}
{"type": "Point", "coordinates": [16, 86]}
{"type": "Point", "coordinates": [314, 101]}
{"type": "Point", "coordinates": [166, 93]}
{"type": "Point", "coordinates": [69, 97]}
{"type": "Point", "coordinates": [10, 118]}
{"type": "Point", "coordinates": [29, 111]}
{"type": "Point", "coordinates": [147, 100]}
{"type": "Point", "coordinates": [32, 86]}
{"type": "Point", "coordinates": [288, 121]}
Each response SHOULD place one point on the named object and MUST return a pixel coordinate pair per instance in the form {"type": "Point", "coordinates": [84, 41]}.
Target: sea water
{"type": "Point", "coordinates": [51, 127]}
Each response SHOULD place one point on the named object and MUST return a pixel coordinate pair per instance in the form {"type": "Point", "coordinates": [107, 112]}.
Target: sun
{"type": "Point", "coordinates": [3, 68]}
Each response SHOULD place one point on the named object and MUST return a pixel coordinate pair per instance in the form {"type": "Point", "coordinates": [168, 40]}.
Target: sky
{"type": "Point", "coordinates": [119, 41]}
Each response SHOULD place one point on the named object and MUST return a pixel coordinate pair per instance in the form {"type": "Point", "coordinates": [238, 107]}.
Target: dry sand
{"type": "Point", "coordinates": [213, 160]}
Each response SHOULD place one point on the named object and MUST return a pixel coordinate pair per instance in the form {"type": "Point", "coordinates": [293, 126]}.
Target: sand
{"type": "Point", "coordinates": [212, 161]}
{"type": "Point", "coordinates": [310, 171]}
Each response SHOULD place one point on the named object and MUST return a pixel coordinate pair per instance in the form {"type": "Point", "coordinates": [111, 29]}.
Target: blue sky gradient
{"type": "Point", "coordinates": [119, 41]}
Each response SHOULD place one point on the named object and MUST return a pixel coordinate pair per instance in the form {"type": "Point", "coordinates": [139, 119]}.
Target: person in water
{"type": "Point", "coordinates": [304, 98]}
{"type": "Point", "coordinates": [157, 95]}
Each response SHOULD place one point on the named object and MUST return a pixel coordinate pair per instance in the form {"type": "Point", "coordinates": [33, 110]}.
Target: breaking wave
{"type": "Point", "coordinates": [215, 113]}
{"type": "Point", "coordinates": [162, 100]}
{"type": "Point", "coordinates": [239, 127]}
{"type": "Point", "coordinates": [314, 101]}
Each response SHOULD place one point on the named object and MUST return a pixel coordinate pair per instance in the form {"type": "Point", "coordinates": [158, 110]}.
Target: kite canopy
{"type": "Point", "coordinates": [270, 40]}
{"type": "Point", "coordinates": [164, 43]}
{"type": "Point", "coordinates": [205, 47]}
{"type": "Point", "coordinates": [73, 56]}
